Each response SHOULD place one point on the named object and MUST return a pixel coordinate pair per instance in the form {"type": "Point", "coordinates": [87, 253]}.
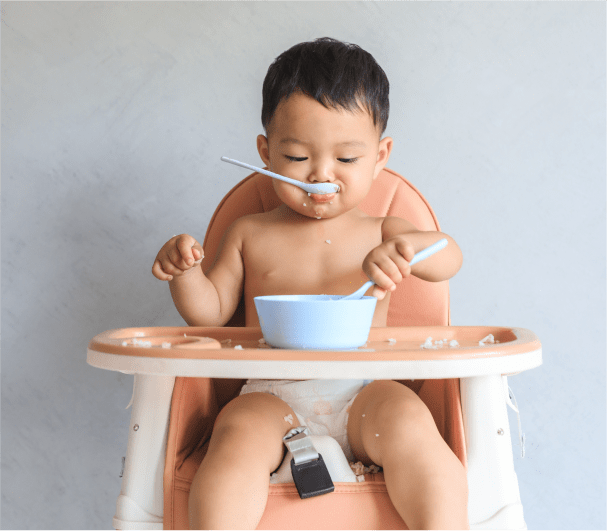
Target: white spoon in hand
{"type": "Point", "coordinates": [422, 255]}
{"type": "Point", "coordinates": [320, 188]}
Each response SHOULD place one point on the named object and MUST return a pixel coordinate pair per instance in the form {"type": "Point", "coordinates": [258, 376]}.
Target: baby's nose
{"type": "Point", "coordinates": [322, 173]}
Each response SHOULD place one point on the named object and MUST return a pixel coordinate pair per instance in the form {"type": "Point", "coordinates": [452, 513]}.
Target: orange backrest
{"type": "Point", "coordinates": [197, 401]}
{"type": "Point", "coordinates": [415, 302]}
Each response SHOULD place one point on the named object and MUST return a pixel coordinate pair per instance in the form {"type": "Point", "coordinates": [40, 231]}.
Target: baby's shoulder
{"type": "Point", "coordinates": [249, 223]}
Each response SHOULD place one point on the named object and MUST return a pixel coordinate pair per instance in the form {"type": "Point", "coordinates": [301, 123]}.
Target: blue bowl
{"type": "Point", "coordinates": [315, 322]}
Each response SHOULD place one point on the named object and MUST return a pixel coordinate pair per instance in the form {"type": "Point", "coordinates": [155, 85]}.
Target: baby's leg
{"type": "Point", "coordinates": [390, 426]}
{"type": "Point", "coordinates": [230, 489]}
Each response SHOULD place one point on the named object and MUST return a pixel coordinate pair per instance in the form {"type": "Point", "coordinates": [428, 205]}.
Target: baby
{"type": "Point", "coordinates": [325, 108]}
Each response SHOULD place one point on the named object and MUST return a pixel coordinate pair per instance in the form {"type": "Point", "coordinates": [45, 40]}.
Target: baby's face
{"type": "Point", "coordinates": [313, 144]}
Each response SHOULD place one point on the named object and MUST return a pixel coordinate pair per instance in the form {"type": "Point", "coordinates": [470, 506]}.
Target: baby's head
{"type": "Point", "coordinates": [325, 107]}
{"type": "Point", "coordinates": [337, 75]}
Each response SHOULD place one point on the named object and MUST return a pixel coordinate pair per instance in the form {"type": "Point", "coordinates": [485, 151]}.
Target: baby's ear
{"type": "Point", "coordinates": [263, 149]}
{"type": "Point", "coordinates": [385, 148]}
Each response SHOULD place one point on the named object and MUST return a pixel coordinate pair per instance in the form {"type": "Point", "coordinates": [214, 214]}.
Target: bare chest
{"type": "Point", "coordinates": [317, 259]}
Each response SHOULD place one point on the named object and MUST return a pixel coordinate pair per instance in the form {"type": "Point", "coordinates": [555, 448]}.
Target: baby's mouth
{"type": "Point", "coordinates": [322, 198]}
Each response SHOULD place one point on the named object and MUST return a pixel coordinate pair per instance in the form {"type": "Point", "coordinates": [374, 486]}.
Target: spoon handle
{"type": "Point", "coordinates": [429, 251]}
{"type": "Point", "coordinates": [265, 172]}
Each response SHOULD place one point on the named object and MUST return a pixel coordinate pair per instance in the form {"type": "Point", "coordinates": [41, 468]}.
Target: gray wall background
{"type": "Point", "coordinates": [114, 117]}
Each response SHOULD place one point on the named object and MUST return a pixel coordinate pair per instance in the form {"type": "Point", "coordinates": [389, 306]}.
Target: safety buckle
{"type": "Point", "coordinates": [309, 470]}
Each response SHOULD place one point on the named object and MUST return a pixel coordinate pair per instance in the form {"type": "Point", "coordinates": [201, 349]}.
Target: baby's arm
{"type": "Point", "coordinates": [440, 266]}
{"type": "Point", "coordinates": [388, 263]}
{"type": "Point", "coordinates": [211, 299]}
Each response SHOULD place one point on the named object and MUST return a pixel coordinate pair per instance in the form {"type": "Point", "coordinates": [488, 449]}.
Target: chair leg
{"type": "Point", "coordinates": [140, 504]}
{"type": "Point", "coordinates": [494, 499]}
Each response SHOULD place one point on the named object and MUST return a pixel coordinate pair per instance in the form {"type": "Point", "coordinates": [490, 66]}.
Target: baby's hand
{"type": "Point", "coordinates": [388, 264]}
{"type": "Point", "coordinates": [176, 257]}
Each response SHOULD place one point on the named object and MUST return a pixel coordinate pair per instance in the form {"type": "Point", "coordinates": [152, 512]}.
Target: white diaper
{"type": "Point", "coordinates": [321, 405]}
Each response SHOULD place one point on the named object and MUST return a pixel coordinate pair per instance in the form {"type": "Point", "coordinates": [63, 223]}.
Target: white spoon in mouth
{"type": "Point", "coordinates": [320, 188]}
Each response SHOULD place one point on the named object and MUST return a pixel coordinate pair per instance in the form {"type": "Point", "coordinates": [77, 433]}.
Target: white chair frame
{"type": "Point", "coordinates": [494, 498]}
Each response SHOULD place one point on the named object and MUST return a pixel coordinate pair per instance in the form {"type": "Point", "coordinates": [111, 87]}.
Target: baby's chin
{"type": "Point", "coordinates": [316, 211]}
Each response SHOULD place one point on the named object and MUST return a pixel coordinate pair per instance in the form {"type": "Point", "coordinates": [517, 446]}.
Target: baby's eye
{"type": "Point", "coordinates": [348, 161]}
{"type": "Point", "coordinates": [295, 159]}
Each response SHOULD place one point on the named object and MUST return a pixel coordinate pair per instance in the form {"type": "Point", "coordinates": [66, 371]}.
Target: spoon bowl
{"type": "Point", "coordinates": [316, 188]}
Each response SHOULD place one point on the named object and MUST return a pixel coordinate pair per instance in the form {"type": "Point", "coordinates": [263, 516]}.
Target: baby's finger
{"type": "Point", "coordinates": [381, 279]}
{"type": "Point", "coordinates": [184, 245]}
{"type": "Point", "coordinates": [390, 269]}
{"type": "Point", "coordinates": [402, 264]}
{"type": "Point", "coordinates": [378, 293]}
{"type": "Point", "coordinates": [173, 258]}
{"type": "Point", "coordinates": [198, 253]}
{"type": "Point", "coordinates": [170, 268]}
{"type": "Point", "coordinates": [159, 273]}
{"type": "Point", "coordinates": [406, 249]}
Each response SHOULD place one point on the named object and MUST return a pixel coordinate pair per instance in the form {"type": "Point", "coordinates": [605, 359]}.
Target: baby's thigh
{"type": "Point", "coordinates": [253, 425]}
{"type": "Point", "coordinates": [385, 409]}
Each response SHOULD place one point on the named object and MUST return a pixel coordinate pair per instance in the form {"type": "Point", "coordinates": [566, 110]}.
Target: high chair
{"type": "Point", "coordinates": [465, 389]}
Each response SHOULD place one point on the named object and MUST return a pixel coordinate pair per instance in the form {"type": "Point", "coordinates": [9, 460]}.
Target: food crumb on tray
{"type": "Point", "coordinates": [141, 343]}
{"type": "Point", "coordinates": [439, 343]}
{"type": "Point", "coordinates": [487, 339]}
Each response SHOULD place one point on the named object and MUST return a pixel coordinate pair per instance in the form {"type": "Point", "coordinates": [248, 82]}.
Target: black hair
{"type": "Point", "coordinates": [336, 74]}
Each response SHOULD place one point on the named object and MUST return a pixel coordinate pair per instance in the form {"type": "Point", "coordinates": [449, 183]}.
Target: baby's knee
{"type": "Point", "coordinates": [254, 419]}
{"type": "Point", "coordinates": [256, 410]}
{"type": "Point", "coordinates": [402, 412]}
